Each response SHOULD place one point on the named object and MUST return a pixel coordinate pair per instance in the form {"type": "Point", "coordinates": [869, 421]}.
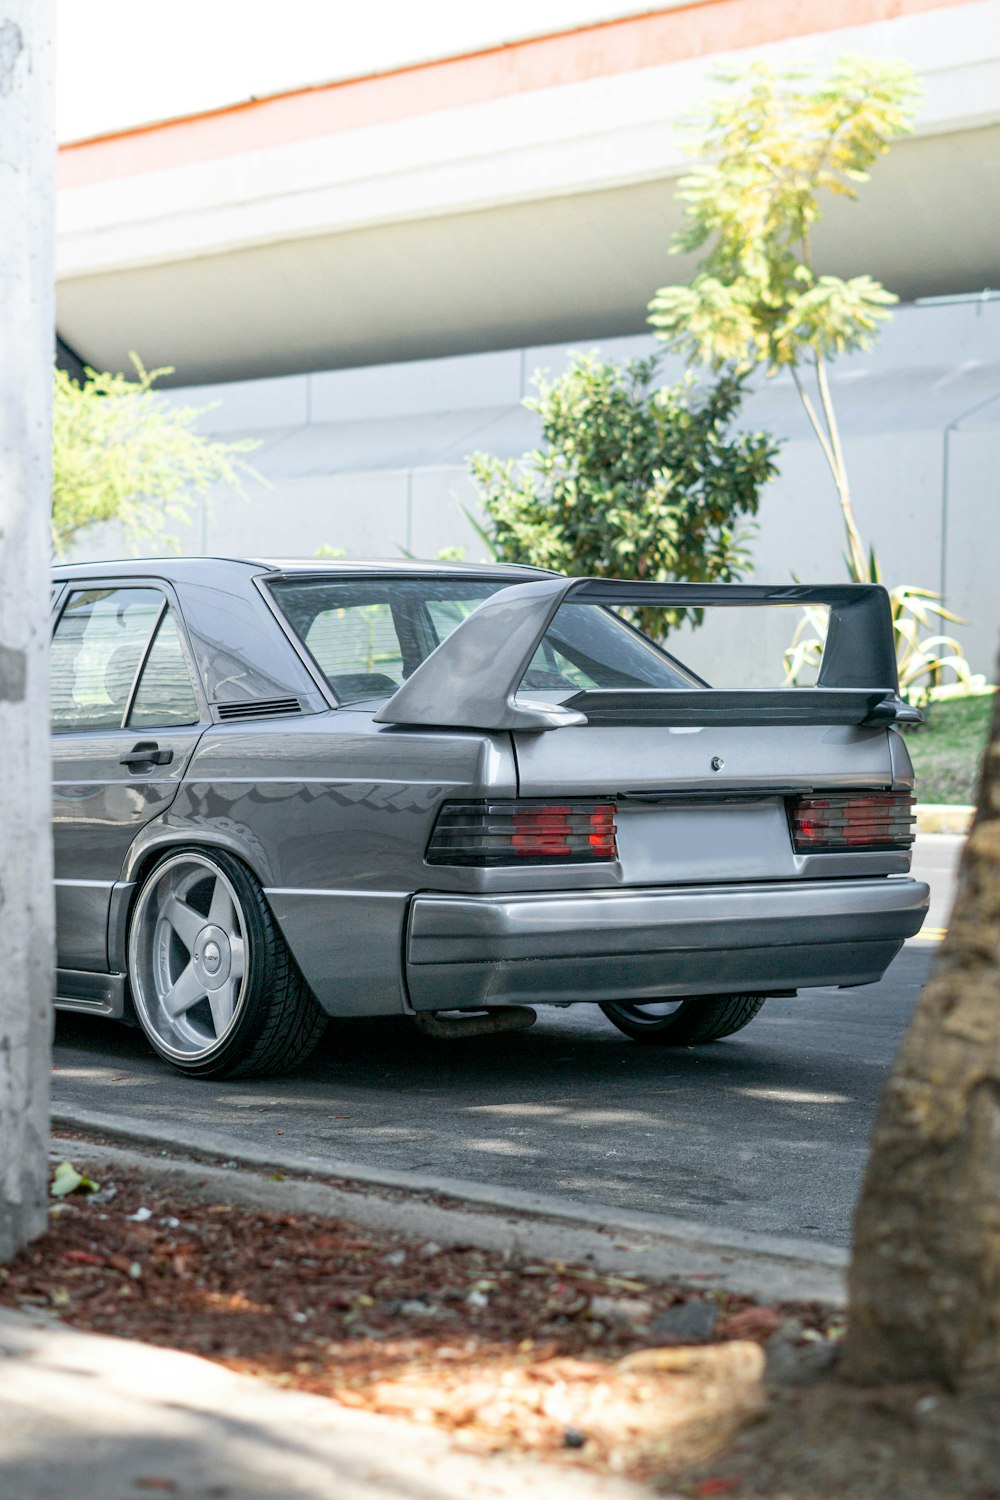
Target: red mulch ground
{"type": "Point", "coordinates": [562, 1360]}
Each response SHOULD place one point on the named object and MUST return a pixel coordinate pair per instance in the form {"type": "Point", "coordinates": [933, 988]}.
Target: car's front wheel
{"type": "Point", "coordinates": [684, 1023]}
{"type": "Point", "coordinates": [214, 986]}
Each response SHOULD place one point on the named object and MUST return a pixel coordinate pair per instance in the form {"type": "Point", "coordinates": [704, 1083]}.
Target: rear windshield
{"type": "Point", "coordinates": [367, 636]}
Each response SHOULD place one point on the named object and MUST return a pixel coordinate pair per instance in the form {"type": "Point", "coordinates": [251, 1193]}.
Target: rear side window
{"type": "Point", "coordinates": [367, 637]}
{"type": "Point", "coordinates": [98, 644]}
{"type": "Point", "coordinates": [103, 640]}
{"type": "Point", "coordinates": [165, 695]}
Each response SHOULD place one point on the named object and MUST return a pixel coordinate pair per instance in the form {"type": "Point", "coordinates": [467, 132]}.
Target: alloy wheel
{"type": "Point", "coordinates": [188, 956]}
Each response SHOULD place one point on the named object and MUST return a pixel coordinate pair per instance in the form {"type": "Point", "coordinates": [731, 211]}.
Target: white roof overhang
{"type": "Point", "coordinates": [539, 216]}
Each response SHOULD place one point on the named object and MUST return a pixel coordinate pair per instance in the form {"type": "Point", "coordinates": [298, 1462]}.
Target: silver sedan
{"type": "Point", "coordinates": [290, 791]}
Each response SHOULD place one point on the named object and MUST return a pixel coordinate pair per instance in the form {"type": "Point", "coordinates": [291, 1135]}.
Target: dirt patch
{"type": "Point", "coordinates": [894, 1443]}
{"type": "Point", "coordinates": [605, 1371]}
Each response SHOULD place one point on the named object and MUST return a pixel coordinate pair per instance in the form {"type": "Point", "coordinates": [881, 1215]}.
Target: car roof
{"type": "Point", "coordinates": [203, 569]}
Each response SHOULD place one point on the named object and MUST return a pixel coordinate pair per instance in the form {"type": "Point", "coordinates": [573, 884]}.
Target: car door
{"type": "Point", "coordinates": [126, 716]}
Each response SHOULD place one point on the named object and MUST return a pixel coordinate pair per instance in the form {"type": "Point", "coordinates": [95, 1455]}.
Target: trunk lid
{"type": "Point", "coordinates": [680, 820]}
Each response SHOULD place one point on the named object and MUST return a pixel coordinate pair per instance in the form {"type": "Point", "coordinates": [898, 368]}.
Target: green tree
{"type": "Point", "coordinates": [632, 480]}
{"type": "Point", "coordinates": [122, 453]}
{"type": "Point", "coordinates": [776, 144]}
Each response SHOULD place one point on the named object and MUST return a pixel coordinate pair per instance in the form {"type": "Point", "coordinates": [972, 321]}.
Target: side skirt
{"type": "Point", "coordinates": [94, 994]}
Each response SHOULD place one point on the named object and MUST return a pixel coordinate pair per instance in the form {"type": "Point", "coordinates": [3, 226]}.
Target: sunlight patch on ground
{"type": "Point", "coordinates": [503, 1148]}
{"type": "Point", "coordinates": [79, 1071]}
{"type": "Point", "coordinates": [794, 1096]}
{"type": "Point", "coordinates": [616, 1117]}
{"type": "Point", "coordinates": [516, 1109]}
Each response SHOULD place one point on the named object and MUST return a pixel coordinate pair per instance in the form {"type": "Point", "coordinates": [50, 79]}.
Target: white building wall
{"type": "Point", "coordinates": [373, 461]}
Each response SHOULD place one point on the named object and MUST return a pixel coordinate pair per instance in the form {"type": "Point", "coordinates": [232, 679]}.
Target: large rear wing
{"type": "Point", "coordinates": [471, 681]}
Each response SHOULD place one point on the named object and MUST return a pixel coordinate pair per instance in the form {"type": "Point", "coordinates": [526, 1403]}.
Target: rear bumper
{"type": "Point", "coordinates": [650, 943]}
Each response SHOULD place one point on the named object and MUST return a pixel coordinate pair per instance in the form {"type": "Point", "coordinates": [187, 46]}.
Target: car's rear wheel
{"type": "Point", "coordinates": [214, 986]}
{"type": "Point", "coordinates": [684, 1023]}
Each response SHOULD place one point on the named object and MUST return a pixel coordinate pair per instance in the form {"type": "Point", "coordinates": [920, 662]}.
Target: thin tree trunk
{"type": "Point", "coordinates": [925, 1274]}
{"type": "Point", "coordinates": [816, 424]}
{"type": "Point", "coordinates": [26, 354]}
{"type": "Point", "coordinates": [828, 433]}
{"type": "Point", "coordinates": [829, 436]}
{"type": "Point", "coordinates": [855, 546]}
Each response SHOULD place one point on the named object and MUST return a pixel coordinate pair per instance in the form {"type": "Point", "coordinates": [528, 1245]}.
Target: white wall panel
{"type": "Point", "coordinates": [373, 461]}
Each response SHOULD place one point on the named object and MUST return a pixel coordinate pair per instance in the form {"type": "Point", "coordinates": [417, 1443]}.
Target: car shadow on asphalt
{"type": "Point", "coordinates": [835, 1033]}
{"type": "Point", "coordinates": [765, 1130]}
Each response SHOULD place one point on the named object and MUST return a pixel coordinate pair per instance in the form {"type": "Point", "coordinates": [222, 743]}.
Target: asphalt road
{"type": "Point", "coordinates": [766, 1131]}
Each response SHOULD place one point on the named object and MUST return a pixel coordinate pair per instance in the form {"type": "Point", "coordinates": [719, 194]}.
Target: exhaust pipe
{"type": "Point", "coordinates": [483, 1023]}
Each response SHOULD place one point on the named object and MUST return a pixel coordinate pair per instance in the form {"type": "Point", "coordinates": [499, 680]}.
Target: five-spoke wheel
{"type": "Point", "coordinates": [214, 986]}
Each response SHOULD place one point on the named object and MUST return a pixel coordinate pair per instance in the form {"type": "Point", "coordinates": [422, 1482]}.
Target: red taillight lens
{"type": "Point", "coordinates": [848, 821]}
{"type": "Point", "coordinates": [542, 832]}
{"type": "Point", "coordinates": [603, 836]}
{"type": "Point", "coordinates": [523, 832]}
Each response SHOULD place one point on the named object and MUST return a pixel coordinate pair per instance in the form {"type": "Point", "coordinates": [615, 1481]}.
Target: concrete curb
{"type": "Point", "coordinates": [455, 1211]}
{"type": "Point", "coordinates": [944, 817]}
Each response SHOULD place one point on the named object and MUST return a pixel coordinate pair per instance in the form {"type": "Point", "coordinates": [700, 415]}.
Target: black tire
{"type": "Point", "coordinates": [702, 1018]}
{"type": "Point", "coordinates": [273, 1020]}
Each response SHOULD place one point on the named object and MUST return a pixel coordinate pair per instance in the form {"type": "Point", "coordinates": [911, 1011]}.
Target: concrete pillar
{"type": "Point", "coordinates": [27, 161]}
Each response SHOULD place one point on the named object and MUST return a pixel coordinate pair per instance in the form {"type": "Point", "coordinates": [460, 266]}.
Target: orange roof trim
{"type": "Point", "coordinates": [598, 51]}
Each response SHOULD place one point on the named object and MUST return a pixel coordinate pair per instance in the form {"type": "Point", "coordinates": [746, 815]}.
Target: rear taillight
{"type": "Point", "coordinates": [847, 821]}
{"type": "Point", "coordinates": [523, 832]}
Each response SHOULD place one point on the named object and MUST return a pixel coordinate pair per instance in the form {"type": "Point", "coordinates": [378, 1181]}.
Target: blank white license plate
{"type": "Point", "coordinates": [725, 841]}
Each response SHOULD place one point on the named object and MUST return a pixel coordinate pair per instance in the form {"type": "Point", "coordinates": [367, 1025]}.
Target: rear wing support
{"type": "Point", "coordinates": [471, 681]}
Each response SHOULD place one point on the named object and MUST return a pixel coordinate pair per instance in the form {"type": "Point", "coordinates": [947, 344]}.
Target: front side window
{"type": "Point", "coordinates": [368, 636]}
{"type": "Point", "coordinates": [98, 644]}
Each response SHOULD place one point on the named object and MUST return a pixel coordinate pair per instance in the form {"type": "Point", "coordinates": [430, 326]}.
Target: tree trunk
{"type": "Point", "coordinates": [856, 558]}
{"type": "Point", "coordinates": [26, 356]}
{"type": "Point", "coordinates": [925, 1275]}
{"type": "Point", "coordinates": [828, 433]}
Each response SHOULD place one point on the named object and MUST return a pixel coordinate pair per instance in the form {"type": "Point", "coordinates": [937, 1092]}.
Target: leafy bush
{"type": "Point", "coordinates": [121, 453]}
{"type": "Point", "coordinates": [632, 480]}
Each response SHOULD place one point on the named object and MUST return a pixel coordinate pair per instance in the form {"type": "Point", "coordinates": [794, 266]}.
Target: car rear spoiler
{"type": "Point", "coordinates": [471, 681]}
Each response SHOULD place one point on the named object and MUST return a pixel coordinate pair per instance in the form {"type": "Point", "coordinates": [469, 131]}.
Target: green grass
{"type": "Point", "coordinates": [947, 748]}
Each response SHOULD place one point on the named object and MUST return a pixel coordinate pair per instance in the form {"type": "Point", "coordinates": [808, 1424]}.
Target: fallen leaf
{"type": "Point", "coordinates": [66, 1179]}
{"type": "Point", "coordinates": [751, 1323]}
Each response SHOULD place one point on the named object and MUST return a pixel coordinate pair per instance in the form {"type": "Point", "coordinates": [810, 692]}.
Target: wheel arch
{"type": "Point", "coordinates": [150, 847]}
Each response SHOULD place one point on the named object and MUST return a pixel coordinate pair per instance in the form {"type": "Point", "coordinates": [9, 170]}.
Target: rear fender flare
{"type": "Point", "coordinates": [155, 840]}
